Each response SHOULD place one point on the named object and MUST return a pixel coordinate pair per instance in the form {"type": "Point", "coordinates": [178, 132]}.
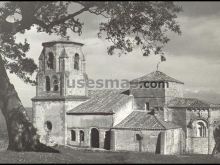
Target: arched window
{"type": "Point", "coordinates": [76, 61]}
{"type": "Point", "coordinates": [48, 126]}
{"type": "Point", "coordinates": [201, 129]}
{"type": "Point", "coordinates": [55, 83]}
{"type": "Point", "coordinates": [147, 106]}
{"type": "Point", "coordinates": [73, 135]}
{"type": "Point", "coordinates": [50, 60]}
{"type": "Point", "coordinates": [139, 137]}
{"type": "Point", "coordinates": [47, 83]}
{"type": "Point", "coordinates": [81, 135]}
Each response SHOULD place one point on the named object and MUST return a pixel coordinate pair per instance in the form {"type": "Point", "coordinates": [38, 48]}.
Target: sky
{"type": "Point", "coordinates": [193, 57]}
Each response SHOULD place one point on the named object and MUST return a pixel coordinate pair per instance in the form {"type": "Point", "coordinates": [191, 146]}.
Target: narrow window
{"type": "Point", "coordinates": [48, 126]}
{"type": "Point", "coordinates": [55, 84]}
{"type": "Point", "coordinates": [50, 60]}
{"type": "Point", "coordinates": [147, 106]}
{"type": "Point", "coordinates": [201, 129]}
{"type": "Point", "coordinates": [138, 137]}
{"type": "Point", "coordinates": [73, 135]}
{"type": "Point", "coordinates": [81, 135]}
{"type": "Point", "coordinates": [47, 83]}
{"type": "Point", "coordinates": [62, 65]}
{"type": "Point", "coordinates": [76, 61]}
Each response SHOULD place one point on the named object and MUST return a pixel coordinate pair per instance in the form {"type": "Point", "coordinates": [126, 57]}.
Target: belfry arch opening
{"type": "Point", "coordinates": [50, 60]}
{"type": "Point", "coordinates": [76, 61]}
{"type": "Point", "coordinates": [55, 83]}
{"type": "Point", "coordinates": [47, 83]}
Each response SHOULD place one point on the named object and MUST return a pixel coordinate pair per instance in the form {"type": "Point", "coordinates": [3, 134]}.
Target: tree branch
{"type": "Point", "coordinates": [28, 20]}
{"type": "Point", "coordinates": [62, 20]}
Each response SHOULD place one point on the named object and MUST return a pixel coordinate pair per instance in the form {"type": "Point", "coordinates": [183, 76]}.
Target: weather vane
{"type": "Point", "coordinates": [162, 58]}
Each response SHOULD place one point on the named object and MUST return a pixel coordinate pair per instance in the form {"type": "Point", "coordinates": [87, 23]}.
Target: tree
{"type": "Point", "coordinates": [129, 25]}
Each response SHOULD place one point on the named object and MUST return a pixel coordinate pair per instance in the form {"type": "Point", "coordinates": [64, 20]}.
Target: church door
{"type": "Point", "coordinates": [107, 140]}
{"type": "Point", "coordinates": [94, 138]}
{"type": "Point", "coordinates": [158, 145]}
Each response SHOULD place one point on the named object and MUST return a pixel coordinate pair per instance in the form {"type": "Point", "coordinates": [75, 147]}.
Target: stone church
{"type": "Point", "coordinates": [158, 120]}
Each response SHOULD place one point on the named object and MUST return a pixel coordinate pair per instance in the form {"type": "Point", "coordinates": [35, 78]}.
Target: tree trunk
{"type": "Point", "coordinates": [216, 149]}
{"type": "Point", "coordinates": [21, 132]}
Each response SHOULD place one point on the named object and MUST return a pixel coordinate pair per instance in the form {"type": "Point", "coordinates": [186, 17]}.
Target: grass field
{"type": "Point", "coordinates": [69, 155]}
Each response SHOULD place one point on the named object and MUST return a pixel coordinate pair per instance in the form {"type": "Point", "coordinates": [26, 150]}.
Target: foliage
{"type": "Point", "coordinates": [129, 24]}
{"type": "Point", "coordinates": [14, 56]}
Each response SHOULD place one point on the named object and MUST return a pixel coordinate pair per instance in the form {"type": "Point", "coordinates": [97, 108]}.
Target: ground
{"type": "Point", "coordinates": [74, 155]}
{"type": "Point", "coordinates": [69, 155]}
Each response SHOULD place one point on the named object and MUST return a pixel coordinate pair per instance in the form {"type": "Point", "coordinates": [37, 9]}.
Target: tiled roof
{"type": "Point", "coordinates": [47, 98]}
{"type": "Point", "coordinates": [188, 103]}
{"type": "Point", "coordinates": [106, 101]}
{"type": "Point", "coordinates": [156, 76]}
{"type": "Point", "coordinates": [64, 41]}
{"type": "Point", "coordinates": [214, 105]}
{"type": "Point", "coordinates": [144, 120]}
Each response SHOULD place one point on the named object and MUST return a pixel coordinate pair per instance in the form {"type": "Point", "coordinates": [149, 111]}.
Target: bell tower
{"type": "Point", "coordinates": [61, 67]}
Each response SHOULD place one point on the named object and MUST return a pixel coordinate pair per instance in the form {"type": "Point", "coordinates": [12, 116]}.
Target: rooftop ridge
{"type": "Point", "coordinates": [159, 121]}
{"type": "Point", "coordinates": [61, 41]}
{"type": "Point", "coordinates": [140, 120]}
{"type": "Point", "coordinates": [156, 76]}
{"type": "Point", "coordinates": [101, 101]}
{"type": "Point", "coordinates": [189, 102]}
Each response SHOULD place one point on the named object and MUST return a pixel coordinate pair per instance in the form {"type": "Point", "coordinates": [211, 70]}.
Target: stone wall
{"type": "Point", "coordinates": [173, 90]}
{"type": "Point", "coordinates": [173, 141]}
{"type": "Point", "coordinates": [197, 145]}
{"type": "Point", "coordinates": [154, 141]}
{"type": "Point", "coordinates": [156, 97]}
{"type": "Point", "coordinates": [185, 118]}
{"type": "Point", "coordinates": [126, 140]}
{"type": "Point", "coordinates": [77, 142]}
{"type": "Point", "coordinates": [54, 112]}
{"type": "Point", "coordinates": [70, 49]}
{"type": "Point", "coordinates": [214, 123]}
{"type": "Point", "coordinates": [87, 137]}
{"type": "Point", "coordinates": [41, 87]}
{"type": "Point", "coordinates": [178, 116]}
{"type": "Point", "coordinates": [86, 121]}
{"type": "Point", "coordinates": [66, 85]}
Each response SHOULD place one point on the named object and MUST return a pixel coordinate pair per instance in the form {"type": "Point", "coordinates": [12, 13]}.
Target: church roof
{"type": "Point", "coordinates": [156, 76]}
{"type": "Point", "coordinates": [42, 54]}
{"type": "Point", "coordinates": [106, 101]}
{"type": "Point", "coordinates": [63, 41]}
{"type": "Point", "coordinates": [59, 98]}
{"type": "Point", "coordinates": [188, 103]}
{"type": "Point", "coordinates": [143, 120]}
